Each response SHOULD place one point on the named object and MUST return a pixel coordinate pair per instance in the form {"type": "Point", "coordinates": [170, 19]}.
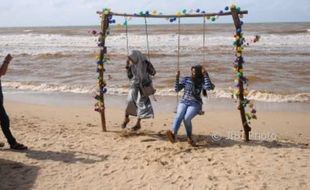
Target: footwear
{"type": "Point", "coordinates": [190, 141]}
{"type": "Point", "coordinates": [1, 144]}
{"type": "Point", "coordinates": [170, 136]}
{"type": "Point", "coordinates": [126, 121]}
{"type": "Point", "coordinates": [136, 128]}
{"type": "Point", "coordinates": [18, 146]}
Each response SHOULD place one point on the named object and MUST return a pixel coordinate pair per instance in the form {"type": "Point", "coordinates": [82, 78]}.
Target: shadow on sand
{"type": "Point", "coordinates": [209, 141]}
{"type": "Point", "coordinates": [65, 156]}
{"type": "Point", "coordinates": [16, 175]}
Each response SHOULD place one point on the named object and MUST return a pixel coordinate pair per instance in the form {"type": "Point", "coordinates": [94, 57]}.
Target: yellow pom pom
{"type": "Point", "coordinates": [178, 13]}
{"type": "Point", "coordinates": [233, 6]}
{"type": "Point", "coordinates": [154, 12]}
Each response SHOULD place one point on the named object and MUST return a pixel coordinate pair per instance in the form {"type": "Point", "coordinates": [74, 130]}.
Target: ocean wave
{"type": "Point", "coordinates": [161, 44]}
{"type": "Point", "coordinates": [48, 87]}
{"type": "Point", "coordinates": [217, 93]}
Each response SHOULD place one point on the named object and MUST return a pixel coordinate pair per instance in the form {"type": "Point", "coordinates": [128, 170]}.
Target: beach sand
{"type": "Point", "coordinates": [68, 150]}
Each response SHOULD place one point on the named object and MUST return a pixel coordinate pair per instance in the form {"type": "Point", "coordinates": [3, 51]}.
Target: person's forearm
{"type": "Point", "coordinates": [4, 68]}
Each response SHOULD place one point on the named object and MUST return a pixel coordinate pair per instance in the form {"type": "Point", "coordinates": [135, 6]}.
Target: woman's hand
{"type": "Point", "coordinates": [177, 74]}
{"type": "Point", "coordinates": [204, 71]}
{"type": "Point", "coordinates": [8, 59]}
{"type": "Point", "coordinates": [127, 64]}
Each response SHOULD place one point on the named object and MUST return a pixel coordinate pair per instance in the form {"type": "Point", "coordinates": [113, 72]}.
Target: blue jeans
{"type": "Point", "coordinates": [185, 112]}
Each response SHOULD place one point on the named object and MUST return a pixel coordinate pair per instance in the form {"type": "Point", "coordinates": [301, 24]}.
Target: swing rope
{"type": "Point", "coordinates": [147, 39]}
{"type": "Point", "coordinates": [148, 48]}
{"type": "Point", "coordinates": [178, 63]}
{"type": "Point", "coordinates": [127, 43]}
{"type": "Point", "coordinates": [204, 40]}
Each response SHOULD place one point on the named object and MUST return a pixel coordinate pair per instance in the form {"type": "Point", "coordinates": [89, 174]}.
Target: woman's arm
{"type": "Point", "coordinates": [4, 66]}
{"type": "Point", "coordinates": [207, 84]}
{"type": "Point", "coordinates": [179, 85]}
{"type": "Point", "coordinates": [129, 72]}
{"type": "Point", "coordinates": [150, 68]}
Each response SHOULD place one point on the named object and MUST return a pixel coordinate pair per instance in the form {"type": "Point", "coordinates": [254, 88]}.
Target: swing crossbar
{"type": "Point", "coordinates": [170, 16]}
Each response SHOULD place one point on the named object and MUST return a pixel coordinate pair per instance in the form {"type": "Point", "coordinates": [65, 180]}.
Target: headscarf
{"type": "Point", "coordinates": [139, 68]}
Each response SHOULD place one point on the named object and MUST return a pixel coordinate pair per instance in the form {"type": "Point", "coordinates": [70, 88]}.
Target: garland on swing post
{"type": "Point", "coordinates": [239, 45]}
{"type": "Point", "coordinates": [102, 60]}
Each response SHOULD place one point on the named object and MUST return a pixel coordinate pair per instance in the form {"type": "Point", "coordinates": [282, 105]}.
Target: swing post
{"type": "Point", "coordinates": [103, 51]}
{"type": "Point", "coordinates": [246, 127]}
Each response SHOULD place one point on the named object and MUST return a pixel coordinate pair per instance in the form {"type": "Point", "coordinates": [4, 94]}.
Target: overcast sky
{"type": "Point", "coordinates": [83, 12]}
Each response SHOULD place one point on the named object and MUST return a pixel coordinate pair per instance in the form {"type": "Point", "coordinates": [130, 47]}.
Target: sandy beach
{"type": "Point", "coordinates": [68, 150]}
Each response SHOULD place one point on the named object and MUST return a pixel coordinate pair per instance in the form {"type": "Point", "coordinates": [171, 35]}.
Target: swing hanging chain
{"type": "Point", "coordinates": [147, 39]}
{"type": "Point", "coordinates": [126, 28]}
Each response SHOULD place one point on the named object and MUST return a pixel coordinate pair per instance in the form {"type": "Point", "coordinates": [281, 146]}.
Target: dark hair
{"type": "Point", "coordinates": [199, 78]}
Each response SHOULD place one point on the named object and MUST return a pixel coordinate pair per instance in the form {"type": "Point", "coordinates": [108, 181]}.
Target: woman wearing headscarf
{"type": "Point", "coordinates": [191, 103]}
{"type": "Point", "coordinates": [139, 71]}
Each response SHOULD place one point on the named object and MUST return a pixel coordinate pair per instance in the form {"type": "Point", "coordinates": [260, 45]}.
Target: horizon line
{"type": "Point", "coordinates": [55, 26]}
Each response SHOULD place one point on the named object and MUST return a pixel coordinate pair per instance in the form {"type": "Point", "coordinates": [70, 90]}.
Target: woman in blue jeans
{"type": "Point", "coordinates": [191, 102]}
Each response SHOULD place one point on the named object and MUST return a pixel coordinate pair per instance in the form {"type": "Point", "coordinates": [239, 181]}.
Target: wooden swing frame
{"type": "Point", "coordinates": [103, 53]}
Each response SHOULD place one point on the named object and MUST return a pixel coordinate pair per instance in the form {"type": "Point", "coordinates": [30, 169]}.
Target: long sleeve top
{"type": "Point", "coordinates": [192, 94]}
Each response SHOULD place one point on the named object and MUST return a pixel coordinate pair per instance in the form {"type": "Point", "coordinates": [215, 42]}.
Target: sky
{"type": "Point", "coordinates": [83, 12]}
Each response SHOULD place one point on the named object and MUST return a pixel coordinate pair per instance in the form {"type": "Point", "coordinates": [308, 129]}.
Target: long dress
{"type": "Point", "coordinates": [139, 72]}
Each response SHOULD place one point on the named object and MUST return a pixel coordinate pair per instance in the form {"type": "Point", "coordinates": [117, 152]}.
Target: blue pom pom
{"type": "Point", "coordinates": [203, 12]}
{"type": "Point", "coordinates": [147, 12]}
{"type": "Point", "coordinates": [221, 12]}
{"type": "Point", "coordinates": [198, 10]}
{"type": "Point", "coordinates": [104, 90]}
{"type": "Point", "coordinates": [241, 22]}
{"type": "Point", "coordinates": [171, 20]}
{"type": "Point", "coordinates": [226, 8]}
